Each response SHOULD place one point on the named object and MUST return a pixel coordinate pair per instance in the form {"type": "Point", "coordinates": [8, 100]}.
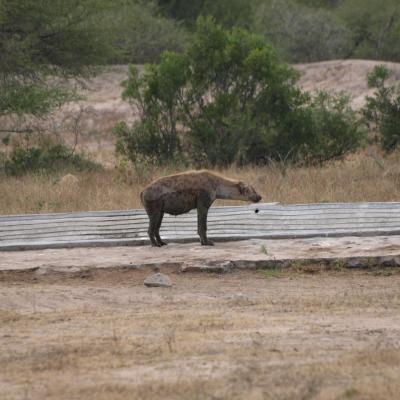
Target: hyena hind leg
{"type": "Point", "coordinates": [157, 233]}
{"type": "Point", "coordinates": [152, 231]}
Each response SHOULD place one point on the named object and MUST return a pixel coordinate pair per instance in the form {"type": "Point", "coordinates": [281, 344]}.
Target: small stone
{"type": "Point", "coordinates": [239, 299]}
{"type": "Point", "coordinates": [69, 180]}
{"type": "Point", "coordinates": [157, 280]}
{"type": "Point", "coordinates": [389, 261]}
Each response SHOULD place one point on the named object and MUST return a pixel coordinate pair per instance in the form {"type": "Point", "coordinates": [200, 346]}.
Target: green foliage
{"type": "Point", "coordinates": [182, 10]}
{"type": "Point", "coordinates": [141, 34]}
{"type": "Point", "coordinates": [336, 128]}
{"type": "Point", "coordinates": [300, 33]}
{"type": "Point", "coordinates": [229, 99]}
{"type": "Point", "coordinates": [228, 13]}
{"type": "Point", "coordinates": [42, 38]}
{"type": "Point", "coordinates": [47, 157]}
{"type": "Point", "coordinates": [377, 78]}
{"type": "Point", "coordinates": [383, 109]}
{"type": "Point", "coordinates": [375, 27]}
{"type": "Point", "coordinates": [32, 98]}
{"type": "Point", "coordinates": [49, 35]}
{"type": "Point", "coordinates": [306, 30]}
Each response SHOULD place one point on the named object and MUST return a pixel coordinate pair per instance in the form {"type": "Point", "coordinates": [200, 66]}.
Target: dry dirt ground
{"type": "Point", "coordinates": [293, 333]}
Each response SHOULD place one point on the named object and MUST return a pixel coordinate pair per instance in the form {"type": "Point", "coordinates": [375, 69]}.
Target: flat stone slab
{"type": "Point", "coordinates": [254, 221]}
{"type": "Point", "coordinates": [222, 257]}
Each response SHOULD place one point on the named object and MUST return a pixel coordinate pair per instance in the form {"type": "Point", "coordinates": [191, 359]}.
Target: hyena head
{"type": "Point", "coordinates": [248, 192]}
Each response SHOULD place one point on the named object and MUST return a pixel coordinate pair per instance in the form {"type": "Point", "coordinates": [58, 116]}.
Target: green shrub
{"type": "Point", "coordinates": [382, 110]}
{"type": "Point", "coordinates": [227, 99]}
{"type": "Point", "coordinates": [337, 130]}
{"type": "Point", "coordinates": [48, 157]}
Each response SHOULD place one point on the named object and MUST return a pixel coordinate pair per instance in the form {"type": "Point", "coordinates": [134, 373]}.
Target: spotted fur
{"type": "Point", "coordinates": [178, 194]}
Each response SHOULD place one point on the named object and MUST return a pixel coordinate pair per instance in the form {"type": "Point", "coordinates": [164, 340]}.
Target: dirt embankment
{"type": "Point", "coordinates": [349, 76]}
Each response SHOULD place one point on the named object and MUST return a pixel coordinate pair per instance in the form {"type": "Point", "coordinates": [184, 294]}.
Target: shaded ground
{"type": "Point", "coordinates": [270, 334]}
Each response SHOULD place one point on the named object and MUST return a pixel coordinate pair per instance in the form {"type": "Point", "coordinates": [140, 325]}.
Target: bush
{"type": "Point", "coordinates": [228, 99]}
{"type": "Point", "coordinates": [337, 130]}
{"type": "Point", "coordinates": [383, 109]}
{"type": "Point", "coordinates": [48, 157]}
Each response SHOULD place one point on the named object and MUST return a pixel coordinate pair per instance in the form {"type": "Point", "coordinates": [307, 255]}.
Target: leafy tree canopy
{"type": "Point", "coordinates": [42, 38]}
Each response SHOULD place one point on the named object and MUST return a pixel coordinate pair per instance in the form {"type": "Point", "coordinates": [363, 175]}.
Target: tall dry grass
{"type": "Point", "coordinates": [359, 178]}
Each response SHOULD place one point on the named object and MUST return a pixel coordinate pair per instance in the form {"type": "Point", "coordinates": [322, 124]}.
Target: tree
{"type": "Point", "coordinates": [43, 38]}
{"type": "Point", "coordinates": [228, 98]}
{"type": "Point", "coordinates": [228, 13]}
{"type": "Point", "coordinates": [300, 33]}
{"type": "Point", "coordinates": [182, 10]}
{"type": "Point", "coordinates": [375, 27]}
{"type": "Point", "coordinates": [141, 34]}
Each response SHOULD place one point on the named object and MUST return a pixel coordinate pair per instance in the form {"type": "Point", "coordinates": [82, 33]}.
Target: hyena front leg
{"type": "Point", "coordinates": [204, 202]}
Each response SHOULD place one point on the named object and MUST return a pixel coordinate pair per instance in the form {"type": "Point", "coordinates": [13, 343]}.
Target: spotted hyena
{"type": "Point", "coordinates": [180, 193]}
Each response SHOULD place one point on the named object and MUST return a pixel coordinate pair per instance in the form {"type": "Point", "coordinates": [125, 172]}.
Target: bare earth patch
{"type": "Point", "coordinates": [263, 334]}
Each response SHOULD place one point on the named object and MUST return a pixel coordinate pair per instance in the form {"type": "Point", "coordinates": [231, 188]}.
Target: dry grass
{"type": "Point", "coordinates": [359, 178]}
{"type": "Point", "coordinates": [329, 335]}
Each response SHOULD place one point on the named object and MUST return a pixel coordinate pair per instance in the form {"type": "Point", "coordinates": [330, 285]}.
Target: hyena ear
{"type": "Point", "coordinates": [241, 187]}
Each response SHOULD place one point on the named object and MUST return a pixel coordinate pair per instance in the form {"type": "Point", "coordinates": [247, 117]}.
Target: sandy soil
{"type": "Point", "coordinates": [274, 334]}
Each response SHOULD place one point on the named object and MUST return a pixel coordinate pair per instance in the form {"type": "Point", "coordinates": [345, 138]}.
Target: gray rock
{"type": "Point", "coordinates": [389, 261]}
{"type": "Point", "coordinates": [357, 262]}
{"type": "Point", "coordinates": [157, 280]}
